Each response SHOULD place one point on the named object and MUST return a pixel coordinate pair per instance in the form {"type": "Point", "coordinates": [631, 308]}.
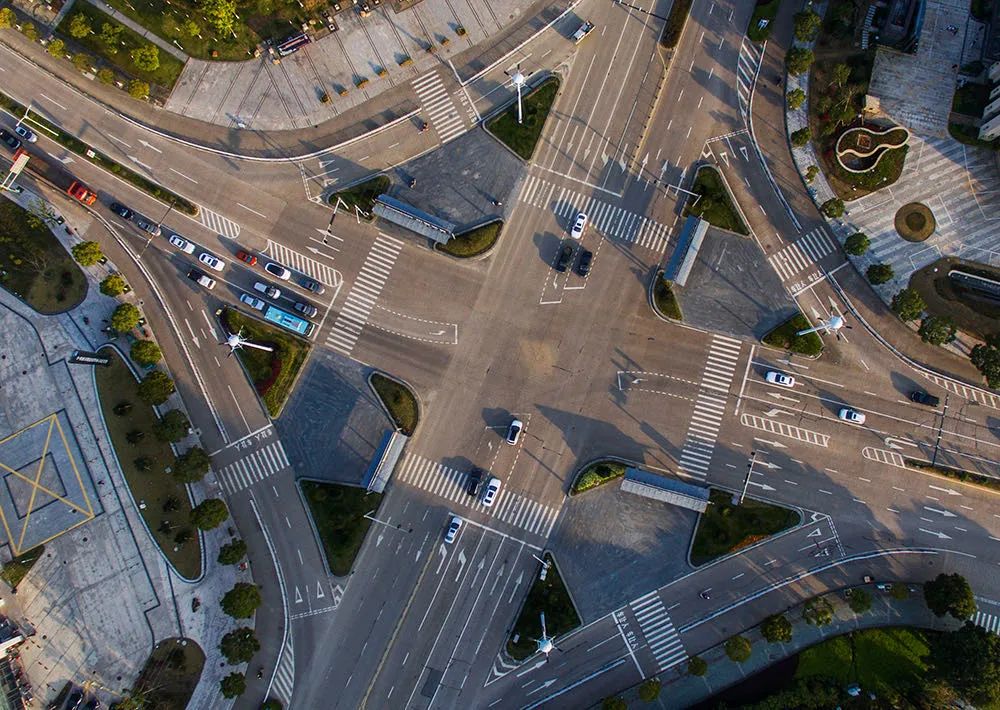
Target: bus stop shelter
{"type": "Point", "coordinates": [669, 490]}
{"type": "Point", "coordinates": [409, 217]}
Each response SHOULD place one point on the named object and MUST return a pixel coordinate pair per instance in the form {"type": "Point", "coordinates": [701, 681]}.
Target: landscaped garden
{"type": "Point", "coordinates": [169, 677]}
{"type": "Point", "coordinates": [549, 596]}
{"type": "Point", "coordinates": [361, 196]}
{"type": "Point", "coordinates": [273, 373]}
{"type": "Point", "coordinates": [725, 527]}
{"type": "Point", "coordinates": [861, 148]}
{"type": "Point", "coordinates": [34, 266]}
{"type": "Point", "coordinates": [665, 299]}
{"type": "Point", "coordinates": [914, 222]}
{"type": "Point", "coordinates": [474, 242]}
{"type": "Point", "coordinates": [399, 400]}
{"type": "Point", "coordinates": [973, 313]}
{"type": "Point", "coordinates": [522, 137]}
{"type": "Point", "coordinates": [713, 203]}
{"type": "Point", "coordinates": [338, 512]}
{"type": "Point", "coordinates": [786, 337]}
{"type": "Point", "coordinates": [596, 474]}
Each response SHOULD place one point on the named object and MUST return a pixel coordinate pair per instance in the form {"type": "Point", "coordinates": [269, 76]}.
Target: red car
{"type": "Point", "coordinates": [246, 258]}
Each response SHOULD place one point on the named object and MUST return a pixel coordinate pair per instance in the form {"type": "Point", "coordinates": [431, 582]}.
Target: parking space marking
{"type": "Point", "coordinates": [217, 223]}
{"type": "Point", "coordinates": [304, 264]}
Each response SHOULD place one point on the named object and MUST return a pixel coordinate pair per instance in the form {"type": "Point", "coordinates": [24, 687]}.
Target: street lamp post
{"type": "Point", "coordinates": [746, 483]}
{"type": "Point", "coordinates": [397, 526]}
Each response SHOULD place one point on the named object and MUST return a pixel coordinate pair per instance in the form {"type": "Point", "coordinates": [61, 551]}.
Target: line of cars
{"type": "Point", "coordinates": [567, 248]}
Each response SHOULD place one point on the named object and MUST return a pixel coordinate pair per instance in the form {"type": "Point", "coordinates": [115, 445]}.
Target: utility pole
{"type": "Point", "coordinates": [397, 526]}
{"type": "Point", "coordinates": [159, 226]}
{"type": "Point", "coordinates": [746, 483]}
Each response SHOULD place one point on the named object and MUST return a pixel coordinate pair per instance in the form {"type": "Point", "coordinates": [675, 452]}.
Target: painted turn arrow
{"type": "Point", "coordinates": [150, 146]}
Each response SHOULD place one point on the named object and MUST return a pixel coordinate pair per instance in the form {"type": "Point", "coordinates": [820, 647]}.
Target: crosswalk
{"type": "Point", "coordinates": [449, 483]}
{"type": "Point", "coordinates": [364, 293]}
{"type": "Point", "coordinates": [253, 468]}
{"type": "Point", "coordinates": [284, 675]}
{"type": "Point", "coordinates": [608, 219]}
{"type": "Point", "coordinates": [773, 426]}
{"type": "Point", "coordinates": [990, 622]}
{"type": "Point", "coordinates": [217, 223]}
{"type": "Point", "coordinates": [304, 264]}
{"type": "Point", "coordinates": [804, 253]}
{"type": "Point", "coordinates": [710, 406]}
{"type": "Point", "coordinates": [746, 73]}
{"type": "Point", "coordinates": [442, 113]}
{"type": "Point", "coordinates": [972, 393]}
{"type": "Point", "coordinates": [658, 630]}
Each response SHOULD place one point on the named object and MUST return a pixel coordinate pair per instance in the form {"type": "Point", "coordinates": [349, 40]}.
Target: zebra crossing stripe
{"type": "Point", "coordinates": [804, 253]}
{"type": "Point", "coordinates": [658, 630]}
{"type": "Point", "coordinates": [364, 292]}
{"type": "Point", "coordinates": [990, 622]}
{"type": "Point", "coordinates": [217, 223]}
{"type": "Point", "coordinates": [253, 468]}
{"type": "Point", "coordinates": [442, 112]}
{"type": "Point", "coordinates": [304, 264]}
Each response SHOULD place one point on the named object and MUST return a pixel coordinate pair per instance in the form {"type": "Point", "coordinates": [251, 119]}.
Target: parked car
{"type": "Point", "coordinates": [780, 378]}
{"type": "Point", "coordinates": [211, 261]}
{"type": "Point", "coordinates": [252, 301]}
{"type": "Point", "coordinates": [514, 431]}
{"type": "Point", "coordinates": [153, 229]}
{"type": "Point", "coordinates": [454, 525]}
{"type": "Point", "coordinates": [884, 587]}
{"type": "Point", "coordinates": [74, 700]}
{"type": "Point", "coordinates": [25, 133]}
{"type": "Point", "coordinates": [565, 255]}
{"type": "Point", "coordinates": [9, 140]}
{"type": "Point", "coordinates": [267, 289]}
{"type": "Point", "coordinates": [201, 279]}
{"type": "Point", "coordinates": [490, 494]}
{"type": "Point", "coordinates": [278, 271]}
{"type": "Point", "coordinates": [583, 265]}
{"type": "Point", "coordinates": [578, 226]}
{"type": "Point", "coordinates": [246, 258]}
{"type": "Point", "coordinates": [122, 211]}
{"type": "Point", "coordinates": [921, 397]}
{"type": "Point", "coordinates": [306, 309]}
{"type": "Point", "coordinates": [851, 415]}
{"type": "Point", "coordinates": [474, 481]}
{"type": "Point", "coordinates": [313, 285]}
{"type": "Point", "coordinates": [181, 243]}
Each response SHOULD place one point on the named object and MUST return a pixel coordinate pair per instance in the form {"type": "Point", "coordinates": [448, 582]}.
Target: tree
{"type": "Point", "coordinates": [220, 14]}
{"type": "Point", "coordinates": [232, 552]}
{"type": "Point", "coordinates": [125, 317]}
{"type": "Point", "coordinates": [859, 600]}
{"type": "Point", "coordinates": [986, 358]}
{"type": "Point", "coordinates": [271, 704]}
{"type": "Point", "coordinates": [111, 37]}
{"type": "Point", "coordinates": [613, 702]}
{"type": "Point", "coordinates": [81, 61]}
{"type": "Point", "coordinates": [798, 60]}
{"type": "Point", "coordinates": [191, 28]}
{"type": "Point", "coordinates": [908, 304]}
{"type": "Point", "coordinates": [806, 25]}
{"type": "Point", "coordinates": [192, 465]}
{"type": "Point", "coordinates": [776, 628]}
{"type": "Point", "coordinates": [87, 253]}
{"type": "Point", "coordinates": [857, 244]}
{"type": "Point", "coordinates": [122, 408]}
{"type": "Point", "coordinates": [697, 666]}
{"type": "Point", "coordinates": [106, 76]}
{"type": "Point", "coordinates": [937, 330]}
{"type": "Point", "coordinates": [241, 601]}
{"type": "Point", "coordinates": [233, 685]}
{"type": "Point", "coordinates": [796, 97]}
{"type": "Point", "coordinates": [29, 30]}
{"type": "Point", "coordinates": [950, 594]}
{"type": "Point", "coordinates": [172, 504]}
{"type": "Point", "coordinates": [801, 137]}
{"type": "Point", "coordinates": [57, 48]}
{"type": "Point", "coordinates": [969, 661]}
{"type": "Point", "coordinates": [79, 26]}
{"type": "Point", "coordinates": [818, 612]}
{"type": "Point", "coordinates": [811, 172]}
{"type": "Point", "coordinates": [650, 690]}
{"type": "Point", "coordinates": [172, 427]}
{"type": "Point", "coordinates": [899, 592]}
{"type": "Point", "coordinates": [6, 18]}
{"type": "Point", "coordinates": [738, 649]}
{"type": "Point", "coordinates": [146, 57]}
{"type": "Point", "coordinates": [135, 436]}
{"type": "Point", "coordinates": [839, 75]}
{"type": "Point", "coordinates": [833, 208]}
{"type": "Point", "coordinates": [239, 645]}
{"type": "Point", "coordinates": [143, 463]}
{"type": "Point", "coordinates": [155, 388]}
{"type": "Point", "coordinates": [209, 514]}
{"type": "Point", "coordinates": [145, 352]}
{"type": "Point", "coordinates": [138, 89]}
{"type": "Point", "coordinates": [879, 273]}
{"type": "Point", "coordinates": [113, 285]}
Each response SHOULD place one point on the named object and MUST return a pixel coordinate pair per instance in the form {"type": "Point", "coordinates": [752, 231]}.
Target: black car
{"type": "Point", "coordinates": [122, 211]}
{"type": "Point", "coordinates": [475, 479]}
{"type": "Point", "coordinates": [313, 285]}
{"type": "Point", "coordinates": [195, 274]}
{"type": "Point", "coordinates": [75, 698]}
{"type": "Point", "coordinates": [921, 397]}
{"type": "Point", "coordinates": [565, 255]}
{"type": "Point", "coordinates": [12, 142]}
{"type": "Point", "coordinates": [583, 265]}
{"type": "Point", "coordinates": [92, 704]}
{"type": "Point", "coordinates": [306, 309]}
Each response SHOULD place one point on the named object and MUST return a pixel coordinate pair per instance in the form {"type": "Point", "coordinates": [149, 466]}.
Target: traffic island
{"type": "Point", "coordinates": [398, 400]}
{"type": "Point", "coordinates": [786, 337]}
{"type": "Point", "coordinates": [713, 202]}
{"type": "Point", "coordinates": [664, 299]}
{"type": "Point", "coordinates": [338, 512]}
{"type": "Point", "coordinates": [361, 196]}
{"type": "Point", "coordinates": [726, 527]}
{"type": "Point", "coordinates": [273, 373]}
{"type": "Point", "coordinates": [170, 675]}
{"type": "Point", "coordinates": [548, 596]}
{"type": "Point", "coordinates": [475, 242]}
{"type": "Point", "coordinates": [523, 137]}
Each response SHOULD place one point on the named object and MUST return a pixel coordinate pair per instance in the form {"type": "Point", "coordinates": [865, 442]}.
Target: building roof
{"type": "Point", "coordinates": [669, 490]}
{"type": "Point", "coordinates": [416, 220]}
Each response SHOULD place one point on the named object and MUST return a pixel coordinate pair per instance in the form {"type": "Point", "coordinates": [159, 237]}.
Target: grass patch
{"type": "Point", "coordinates": [273, 373]}
{"type": "Point", "coordinates": [399, 400]}
{"type": "Point", "coordinates": [171, 674]}
{"type": "Point", "coordinates": [338, 512]}
{"type": "Point", "coordinates": [522, 137]}
{"type": "Point", "coordinates": [714, 204]}
{"type": "Point", "coordinates": [674, 27]}
{"type": "Point", "coordinates": [956, 473]}
{"type": "Point", "coordinates": [971, 312]}
{"type": "Point", "coordinates": [784, 337]}
{"type": "Point", "coordinates": [117, 385]}
{"type": "Point", "coordinates": [725, 528]}
{"type": "Point", "coordinates": [665, 300]}
{"type": "Point", "coordinates": [765, 10]}
{"type": "Point", "coordinates": [597, 474]}
{"type": "Point", "coordinates": [15, 570]}
{"type": "Point", "coordinates": [362, 195]}
{"type": "Point", "coordinates": [476, 241]}
{"type": "Point", "coordinates": [165, 75]}
{"type": "Point", "coordinates": [35, 267]}
{"type": "Point", "coordinates": [884, 173]}
{"type": "Point", "coordinates": [971, 99]}
{"type": "Point", "coordinates": [873, 658]}
{"type": "Point", "coordinates": [551, 597]}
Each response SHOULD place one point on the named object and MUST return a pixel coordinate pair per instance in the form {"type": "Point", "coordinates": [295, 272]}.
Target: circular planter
{"type": "Point", "coordinates": [915, 222]}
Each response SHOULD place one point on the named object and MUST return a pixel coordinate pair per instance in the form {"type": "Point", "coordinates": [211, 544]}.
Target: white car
{"type": "Point", "coordinates": [514, 431]}
{"type": "Point", "coordinates": [267, 289]}
{"type": "Point", "coordinates": [850, 415]}
{"type": "Point", "coordinates": [454, 525]}
{"type": "Point", "coordinates": [181, 243]}
{"type": "Point", "coordinates": [252, 301]}
{"type": "Point", "coordinates": [780, 378]}
{"type": "Point", "coordinates": [211, 261]}
{"type": "Point", "coordinates": [578, 226]}
{"type": "Point", "coordinates": [25, 133]}
{"type": "Point", "coordinates": [490, 492]}
{"type": "Point", "coordinates": [278, 271]}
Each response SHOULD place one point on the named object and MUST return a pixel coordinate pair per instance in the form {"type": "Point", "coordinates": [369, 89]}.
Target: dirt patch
{"type": "Point", "coordinates": [915, 222]}
{"type": "Point", "coordinates": [972, 313]}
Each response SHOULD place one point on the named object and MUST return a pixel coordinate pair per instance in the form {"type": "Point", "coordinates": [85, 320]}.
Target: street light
{"type": "Point", "coordinates": [746, 483]}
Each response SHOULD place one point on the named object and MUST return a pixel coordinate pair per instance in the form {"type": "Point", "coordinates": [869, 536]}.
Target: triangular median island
{"type": "Point", "coordinates": [726, 527]}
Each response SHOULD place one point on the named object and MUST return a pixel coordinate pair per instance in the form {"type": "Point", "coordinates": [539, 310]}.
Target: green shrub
{"type": "Point", "coordinates": [57, 48]}
{"type": "Point", "coordinates": [192, 465]}
{"type": "Point", "coordinates": [209, 514]}
{"type": "Point", "coordinates": [798, 60]}
{"type": "Point", "coordinates": [937, 330]}
{"type": "Point", "coordinates": [801, 137]}
{"type": "Point", "coordinates": [833, 208]}
{"type": "Point", "coordinates": [232, 552]}
{"type": "Point", "coordinates": [879, 273]}
{"type": "Point", "coordinates": [818, 612]}
{"type": "Point", "coordinates": [859, 600]}
{"type": "Point", "coordinates": [697, 666]}
{"type": "Point", "coordinates": [738, 648]}
{"type": "Point", "coordinates": [172, 426]}
{"type": "Point", "coordinates": [145, 352]}
{"type": "Point", "coordinates": [776, 629]}
{"type": "Point", "coordinates": [113, 285]}
{"type": "Point", "coordinates": [155, 388]}
{"type": "Point", "coordinates": [650, 690]}
{"type": "Point", "coordinates": [806, 25]}
{"type": "Point", "coordinates": [241, 601]}
{"type": "Point", "coordinates": [87, 253]}
{"type": "Point", "coordinates": [796, 97]}
{"type": "Point", "coordinates": [125, 318]}
{"type": "Point", "coordinates": [233, 685]}
{"type": "Point", "coordinates": [908, 304]}
{"type": "Point", "coordinates": [857, 244]}
{"type": "Point", "coordinates": [79, 26]}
